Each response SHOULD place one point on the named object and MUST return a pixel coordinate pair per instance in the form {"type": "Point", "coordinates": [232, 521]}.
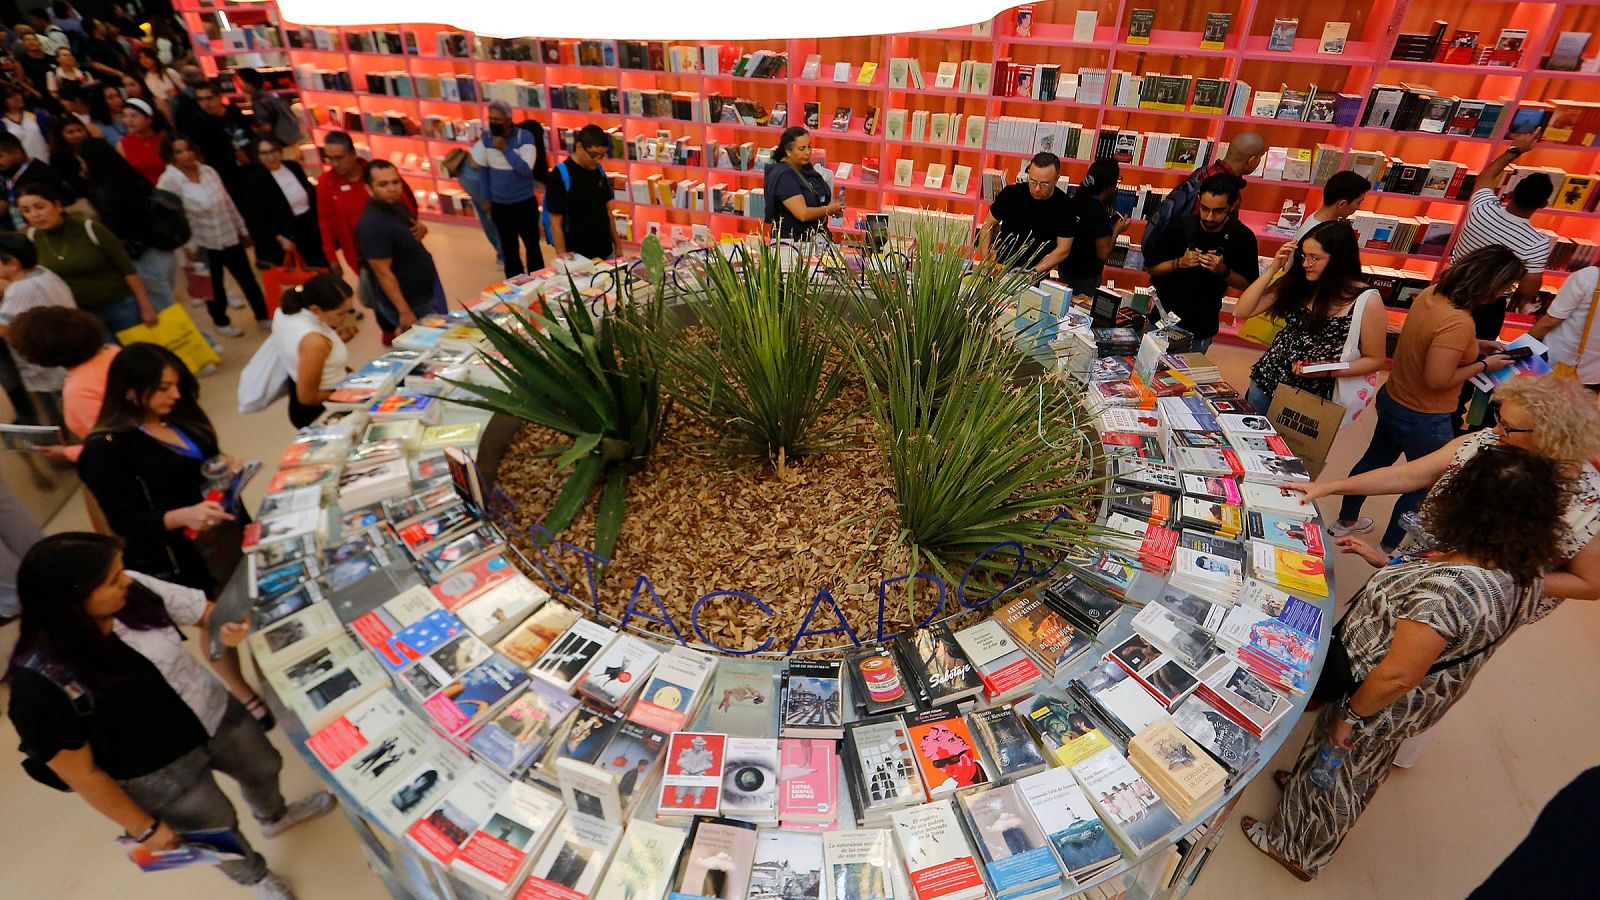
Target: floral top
{"type": "Point", "coordinates": [1296, 342]}
{"type": "Point", "coordinates": [1583, 508]}
{"type": "Point", "coordinates": [1470, 607]}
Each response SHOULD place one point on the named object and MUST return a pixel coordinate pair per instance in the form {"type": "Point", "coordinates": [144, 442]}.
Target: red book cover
{"type": "Point", "coordinates": [472, 579]}
{"type": "Point", "coordinates": [692, 782]}
{"type": "Point", "coordinates": [1020, 672]}
{"type": "Point", "coordinates": [946, 754]}
{"type": "Point", "coordinates": [540, 889]}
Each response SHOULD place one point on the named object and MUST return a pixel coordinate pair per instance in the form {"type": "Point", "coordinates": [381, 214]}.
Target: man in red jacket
{"type": "Point", "coordinates": [341, 199]}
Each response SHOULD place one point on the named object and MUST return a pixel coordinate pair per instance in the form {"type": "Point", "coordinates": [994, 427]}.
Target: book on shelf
{"type": "Point", "coordinates": [1215, 34]}
{"type": "Point", "coordinates": [937, 857]}
{"type": "Point", "coordinates": [1334, 35]}
{"type": "Point", "coordinates": [441, 832]}
{"type": "Point", "coordinates": [1283, 34]}
{"type": "Point", "coordinates": [1084, 24]}
{"type": "Point", "coordinates": [933, 180]}
{"type": "Point", "coordinates": [868, 73]}
{"type": "Point", "coordinates": [1172, 763]}
{"type": "Point", "coordinates": [812, 68]}
{"type": "Point", "coordinates": [569, 867]}
{"type": "Point", "coordinates": [902, 173]}
{"type": "Point", "coordinates": [1567, 53]}
{"type": "Point", "coordinates": [1141, 22]}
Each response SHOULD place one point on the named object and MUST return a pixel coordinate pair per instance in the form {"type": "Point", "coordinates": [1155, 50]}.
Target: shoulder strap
{"type": "Point", "coordinates": [1588, 321]}
{"type": "Point", "coordinates": [566, 177]}
{"type": "Point", "coordinates": [1352, 339]}
{"type": "Point", "coordinates": [82, 701]}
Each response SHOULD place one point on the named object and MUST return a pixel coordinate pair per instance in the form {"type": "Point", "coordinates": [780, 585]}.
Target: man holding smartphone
{"type": "Point", "coordinates": [1193, 263]}
{"type": "Point", "coordinates": [505, 157]}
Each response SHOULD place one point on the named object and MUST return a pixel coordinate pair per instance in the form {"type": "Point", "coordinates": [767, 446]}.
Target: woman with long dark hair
{"type": "Point", "coordinates": [1437, 353]}
{"type": "Point", "coordinates": [280, 206]}
{"type": "Point", "coordinates": [109, 702]}
{"type": "Point", "coordinates": [798, 201]}
{"type": "Point", "coordinates": [1417, 635]}
{"type": "Point", "coordinates": [313, 323]}
{"type": "Point", "coordinates": [218, 227]}
{"type": "Point", "coordinates": [1317, 298]}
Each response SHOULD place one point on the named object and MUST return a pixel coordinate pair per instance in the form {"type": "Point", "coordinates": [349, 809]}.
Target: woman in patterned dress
{"type": "Point", "coordinates": [1417, 634]}
{"type": "Point", "coordinates": [1549, 415]}
{"type": "Point", "coordinates": [1317, 298]}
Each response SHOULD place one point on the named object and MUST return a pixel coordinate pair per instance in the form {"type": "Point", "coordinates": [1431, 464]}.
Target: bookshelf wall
{"type": "Point", "coordinates": [1173, 48]}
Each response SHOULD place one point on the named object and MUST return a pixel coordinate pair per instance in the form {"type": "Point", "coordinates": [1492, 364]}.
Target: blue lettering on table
{"type": "Point", "coordinates": [694, 621]}
{"type": "Point", "coordinates": [844, 624]}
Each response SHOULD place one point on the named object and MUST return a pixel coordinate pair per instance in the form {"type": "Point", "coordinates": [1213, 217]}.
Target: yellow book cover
{"type": "Point", "coordinates": [868, 73]}
{"type": "Point", "coordinates": [1574, 192]}
{"type": "Point", "coordinates": [1295, 572]}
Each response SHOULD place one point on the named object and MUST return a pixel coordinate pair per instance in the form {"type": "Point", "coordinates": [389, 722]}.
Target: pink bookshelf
{"type": "Point", "coordinates": [1173, 49]}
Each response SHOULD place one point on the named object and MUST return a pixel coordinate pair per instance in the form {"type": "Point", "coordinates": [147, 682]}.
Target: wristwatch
{"type": "Point", "coordinates": [1353, 720]}
{"type": "Point", "coordinates": [1514, 150]}
{"type": "Point", "coordinates": [155, 825]}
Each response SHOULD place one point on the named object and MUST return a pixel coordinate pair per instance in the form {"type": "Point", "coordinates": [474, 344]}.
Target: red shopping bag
{"type": "Point", "coordinates": [278, 279]}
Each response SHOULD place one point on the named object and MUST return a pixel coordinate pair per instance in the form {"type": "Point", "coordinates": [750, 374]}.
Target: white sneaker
{"type": "Point", "coordinates": [272, 887]}
{"type": "Point", "coordinates": [1359, 526]}
{"type": "Point", "coordinates": [230, 331]}
{"type": "Point", "coordinates": [301, 810]}
{"type": "Point", "coordinates": [210, 369]}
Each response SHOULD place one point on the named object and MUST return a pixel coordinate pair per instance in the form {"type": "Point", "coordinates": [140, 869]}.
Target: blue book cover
{"type": "Point", "coordinates": [419, 639]}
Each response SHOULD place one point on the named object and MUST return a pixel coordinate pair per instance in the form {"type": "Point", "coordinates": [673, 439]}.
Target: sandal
{"type": "Point", "coordinates": [1281, 779]}
{"type": "Point", "coordinates": [258, 710]}
{"type": "Point", "coordinates": [1256, 833]}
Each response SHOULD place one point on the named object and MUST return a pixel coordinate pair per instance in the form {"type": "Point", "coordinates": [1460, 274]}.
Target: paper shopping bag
{"type": "Point", "coordinates": [1307, 423]}
{"type": "Point", "coordinates": [175, 331]}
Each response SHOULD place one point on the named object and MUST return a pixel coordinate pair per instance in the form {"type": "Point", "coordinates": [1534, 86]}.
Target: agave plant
{"type": "Point", "coordinates": [992, 461]}
{"type": "Point", "coordinates": [768, 375]}
{"type": "Point", "coordinates": [593, 378]}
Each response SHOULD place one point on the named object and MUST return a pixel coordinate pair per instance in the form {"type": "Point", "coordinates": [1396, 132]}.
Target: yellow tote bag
{"type": "Point", "coordinates": [175, 331]}
{"type": "Point", "coordinates": [1261, 329]}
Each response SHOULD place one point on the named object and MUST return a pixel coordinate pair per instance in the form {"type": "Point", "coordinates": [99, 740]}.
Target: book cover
{"type": "Point", "coordinates": [808, 780]}
{"type": "Point", "coordinates": [296, 636]}
{"type": "Point", "coordinates": [428, 675]}
{"type": "Point", "coordinates": [813, 699]}
{"type": "Point", "coordinates": [935, 661]}
{"type": "Point", "coordinates": [1298, 572]}
{"type": "Point", "coordinates": [590, 790]}
{"type": "Point", "coordinates": [472, 579]}
{"type": "Point", "coordinates": [570, 864]}
{"type": "Point", "coordinates": [1063, 728]}
{"type": "Point", "coordinates": [1009, 751]}
{"type": "Point", "coordinates": [1219, 735]}
{"type": "Point", "coordinates": [1141, 22]}
{"type": "Point", "coordinates": [619, 671]}
{"type": "Point", "coordinates": [750, 779]}
{"type": "Point", "coordinates": [1334, 35]}
{"type": "Point", "coordinates": [474, 695]}
{"type": "Point", "coordinates": [882, 766]}
{"type": "Point", "coordinates": [528, 641]}
{"type": "Point", "coordinates": [742, 701]}
{"type": "Point", "coordinates": [1002, 665]}
{"type": "Point", "coordinates": [1215, 34]}
{"type": "Point", "coordinates": [644, 864]}
{"type": "Point", "coordinates": [1042, 632]}
{"type": "Point", "coordinates": [492, 614]}
{"type": "Point", "coordinates": [569, 657]}
{"type": "Point", "coordinates": [518, 828]}
{"type": "Point", "coordinates": [516, 734]}
{"type": "Point", "coordinates": [631, 755]}
{"type": "Point", "coordinates": [1066, 816]}
{"type": "Point", "coordinates": [856, 864]}
{"type": "Point", "coordinates": [717, 860]}
{"type": "Point", "coordinates": [1284, 30]}
{"type": "Point", "coordinates": [936, 854]}
{"type": "Point", "coordinates": [441, 832]}
{"type": "Point", "coordinates": [1124, 800]}
{"type": "Point", "coordinates": [879, 685]}
{"type": "Point", "coordinates": [1015, 853]}
{"type": "Point", "coordinates": [946, 754]}
{"type": "Point", "coordinates": [433, 773]}
{"type": "Point", "coordinates": [692, 782]}
{"type": "Point", "coordinates": [787, 866]}
{"type": "Point", "coordinates": [674, 689]}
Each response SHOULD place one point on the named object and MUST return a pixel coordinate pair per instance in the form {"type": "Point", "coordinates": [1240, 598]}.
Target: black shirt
{"type": "Point", "coordinates": [1195, 294]}
{"type": "Point", "coordinates": [1033, 225]}
{"type": "Point", "coordinates": [37, 69]}
{"type": "Point", "coordinates": [138, 724]}
{"type": "Point", "coordinates": [137, 479]}
{"type": "Point", "coordinates": [35, 172]}
{"type": "Point", "coordinates": [217, 138]}
{"type": "Point", "coordinates": [1093, 223]}
{"type": "Point", "coordinates": [385, 233]}
{"type": "Point", "coordinates": [585, 216]}
{"type": "Point", "coordinates": [782, 182]}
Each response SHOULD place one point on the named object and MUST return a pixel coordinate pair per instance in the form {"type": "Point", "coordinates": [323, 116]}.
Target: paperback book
{"type": "Point", "coordinates": [440, 833]}
{"type": "Point", "coordinates": [881, 768]}
{"type": "Point", "coordinates": [743, 698]}
{"type": "Point", "coordinates": [947, 756]}
{"type": "Point", "coordinates": [856, 864]}
{"type": "Point", "coordinates": [750, 779]}
{"type": "Point", "coordinates": [618, 672]}
{"type": "Point", "coordinates": [718, 860]}
{"type": "Point", "coordinates": [1082, 843]}
{"type": "Point", "coordinates": [1009, 751]}
{"type": "Point", "coordinates": [937, 857]}
{"type": "Point", "coordinates": [692, 782]}
{"type": "Point", "coordinates": [498, 853]}
{"type": "Point", "coordinates": [788, 866]}
{"type": "Point", "coordinates": [936, 664]}
{"type": "Point", "coordinates": [570, 865]}
{"type": "Point", "coordinates": [674, 689]}
{"type": "Point", "coordinates": [813, 699]}
{"type": "Point", "coordinates": [1017, 859]}
{"type": "Point", "coordinates": [644, 864]}
{"type": "Point", "coordinates": [1125, 802]}
{"type": "Point", "coordinates": [808, 782]}
{"type": "Point", "coordinates": [566, 660]}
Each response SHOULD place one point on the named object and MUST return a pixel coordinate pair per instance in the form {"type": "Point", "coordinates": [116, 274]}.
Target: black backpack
{"type": "Point", "coordinates": [167, 227]}
{"type": "Point", "coordinates": [82, 704]}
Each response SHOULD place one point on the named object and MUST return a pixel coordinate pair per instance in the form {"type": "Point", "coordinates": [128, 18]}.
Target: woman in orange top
{"type": "Point", "coordinates": [75, 341]}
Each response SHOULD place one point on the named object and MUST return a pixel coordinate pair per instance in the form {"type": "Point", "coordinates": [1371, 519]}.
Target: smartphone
{"type": "Point", "coordinates": [1518, 354]}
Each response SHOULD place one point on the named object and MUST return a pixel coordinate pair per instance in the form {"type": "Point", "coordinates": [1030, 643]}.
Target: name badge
{"type": "Point", "coordinates": [344, 187]}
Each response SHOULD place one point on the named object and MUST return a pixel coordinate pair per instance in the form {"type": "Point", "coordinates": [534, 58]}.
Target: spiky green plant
{"type": "Point", "coordinates": [596, 380]}
{"type": "Point", "coordinates": [767, 376]}
{"type": "Point", "coordinates": [990, 462]}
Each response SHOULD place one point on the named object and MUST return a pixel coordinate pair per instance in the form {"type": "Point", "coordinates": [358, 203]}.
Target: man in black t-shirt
{"type": "Point", "coordinates": [408, 281]}
{"type": "Point", "coordinates": [1194, 262]}
{"type": "Point", "coordinates": [579, 204]}
{"type": "Point", "coordinates": [222, 135]}
{"type": "Point", "coordinates": [1096, 230]}
{"type": "Point", "coordinates": [1034, 220]}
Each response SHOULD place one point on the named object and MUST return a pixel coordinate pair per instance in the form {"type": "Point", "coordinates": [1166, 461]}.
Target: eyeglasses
{"type": "Point", "coordinates": [1494, 410]}
{"type": "Point", "coordinates": [1040, 184]}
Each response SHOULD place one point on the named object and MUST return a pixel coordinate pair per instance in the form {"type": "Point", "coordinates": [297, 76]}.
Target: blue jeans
{"type": "Point", "coordinates": [1200, 345]}
{"type": "Point", "coordinates": [158, 269]}
{"type": "Point", "coordinates": [1399, 430]}
{"type": "Point", "coordinates": [1257, 398]}
{"type": "Point", "coordinates": [125, 312]}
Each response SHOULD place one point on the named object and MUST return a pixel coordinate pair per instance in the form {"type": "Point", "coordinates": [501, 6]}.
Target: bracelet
{"type": "Point", "coordinates": [155, 825]}
{"type": "Point", "coordinates": [1353, 720]}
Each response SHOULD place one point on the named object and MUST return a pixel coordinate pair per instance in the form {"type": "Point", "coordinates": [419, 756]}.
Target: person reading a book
{"type": "Point", "coordinates": [309, 333]}
{"type": "Point", "coordinates": [1436, 354]}
{"type": "Point", "coordinates": [1316, 299]}
{"type": "Point", "coordinates": [1030, 225]}
{"type": "Point", "coordinates": [1341, 199]}
{"type": "Point", "coordinates": [1193, 263]}
{"type": "Point", "coordinates": [1416, 636]}
{"type": "Point", "coordinates": [407, 280]}
{"type": "Point", "coordinates": [798, 199]}
{"type": "Point", "coordinates": [578, 198]}
{"type": "Point", "coordinates": [110, 704]}
{"type": "Point", "coordinates": [505, 158]}
{"type": "Point", "coordinates": [1096, 227]}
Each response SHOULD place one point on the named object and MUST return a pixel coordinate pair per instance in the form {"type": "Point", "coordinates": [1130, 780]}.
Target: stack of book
{"type": "Point", "coordinates": [1126, 803]}
{"type": "Point", "coordinates": [1005, 668]}
{"type": "Point", "coordinates": [813, 700]}
{"type": "Point", "coordinates": [878, 682]}
{"type": "Point", "coordinates": [1185, 777]}
{"type": "Point", "coordinates": [880, 769]}
{"type": "Point", "coordinates": [1009, 751]}
{"type": "Point", "coordinates": [1044, 634]}
{"type": "Point", "coordinates": [1017, 860]}
{"type": "Point", "coordinates": [937, 857]}
{"type": "Point", "coordinates": [1244, 698]}
{"type": "Point", "coordinates": [934, 662]}
{"type": "Point", "coordinates": [1086, 607]}
{"type": "Point", "coordinates": [1229, 743]}
{"type": "Point", "coordinates": [1082, 844]}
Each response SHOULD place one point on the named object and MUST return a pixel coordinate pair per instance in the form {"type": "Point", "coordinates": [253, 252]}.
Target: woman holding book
{"type": "Point", "coordinates": [1320, 297]}
{"type": "Point", "coordinates": [798, 198]}
{"type": "Point", "coordinates": [1417, 635]}
{"type": "Point", "coordinates": [110, 703]}
{"type": "Point", "coordinates": [1437, 353]}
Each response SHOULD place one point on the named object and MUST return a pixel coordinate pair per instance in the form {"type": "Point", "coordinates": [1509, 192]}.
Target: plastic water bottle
{"type": "Point", "coordinates": [1326, 772]}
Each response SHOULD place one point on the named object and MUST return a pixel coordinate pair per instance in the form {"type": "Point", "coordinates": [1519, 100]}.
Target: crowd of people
{"type": "Point", "coordinates": [124, 165]}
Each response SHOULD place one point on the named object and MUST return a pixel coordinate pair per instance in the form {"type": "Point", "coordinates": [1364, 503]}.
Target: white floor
{"type": "Point", "coordinates": [1434, 831]}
